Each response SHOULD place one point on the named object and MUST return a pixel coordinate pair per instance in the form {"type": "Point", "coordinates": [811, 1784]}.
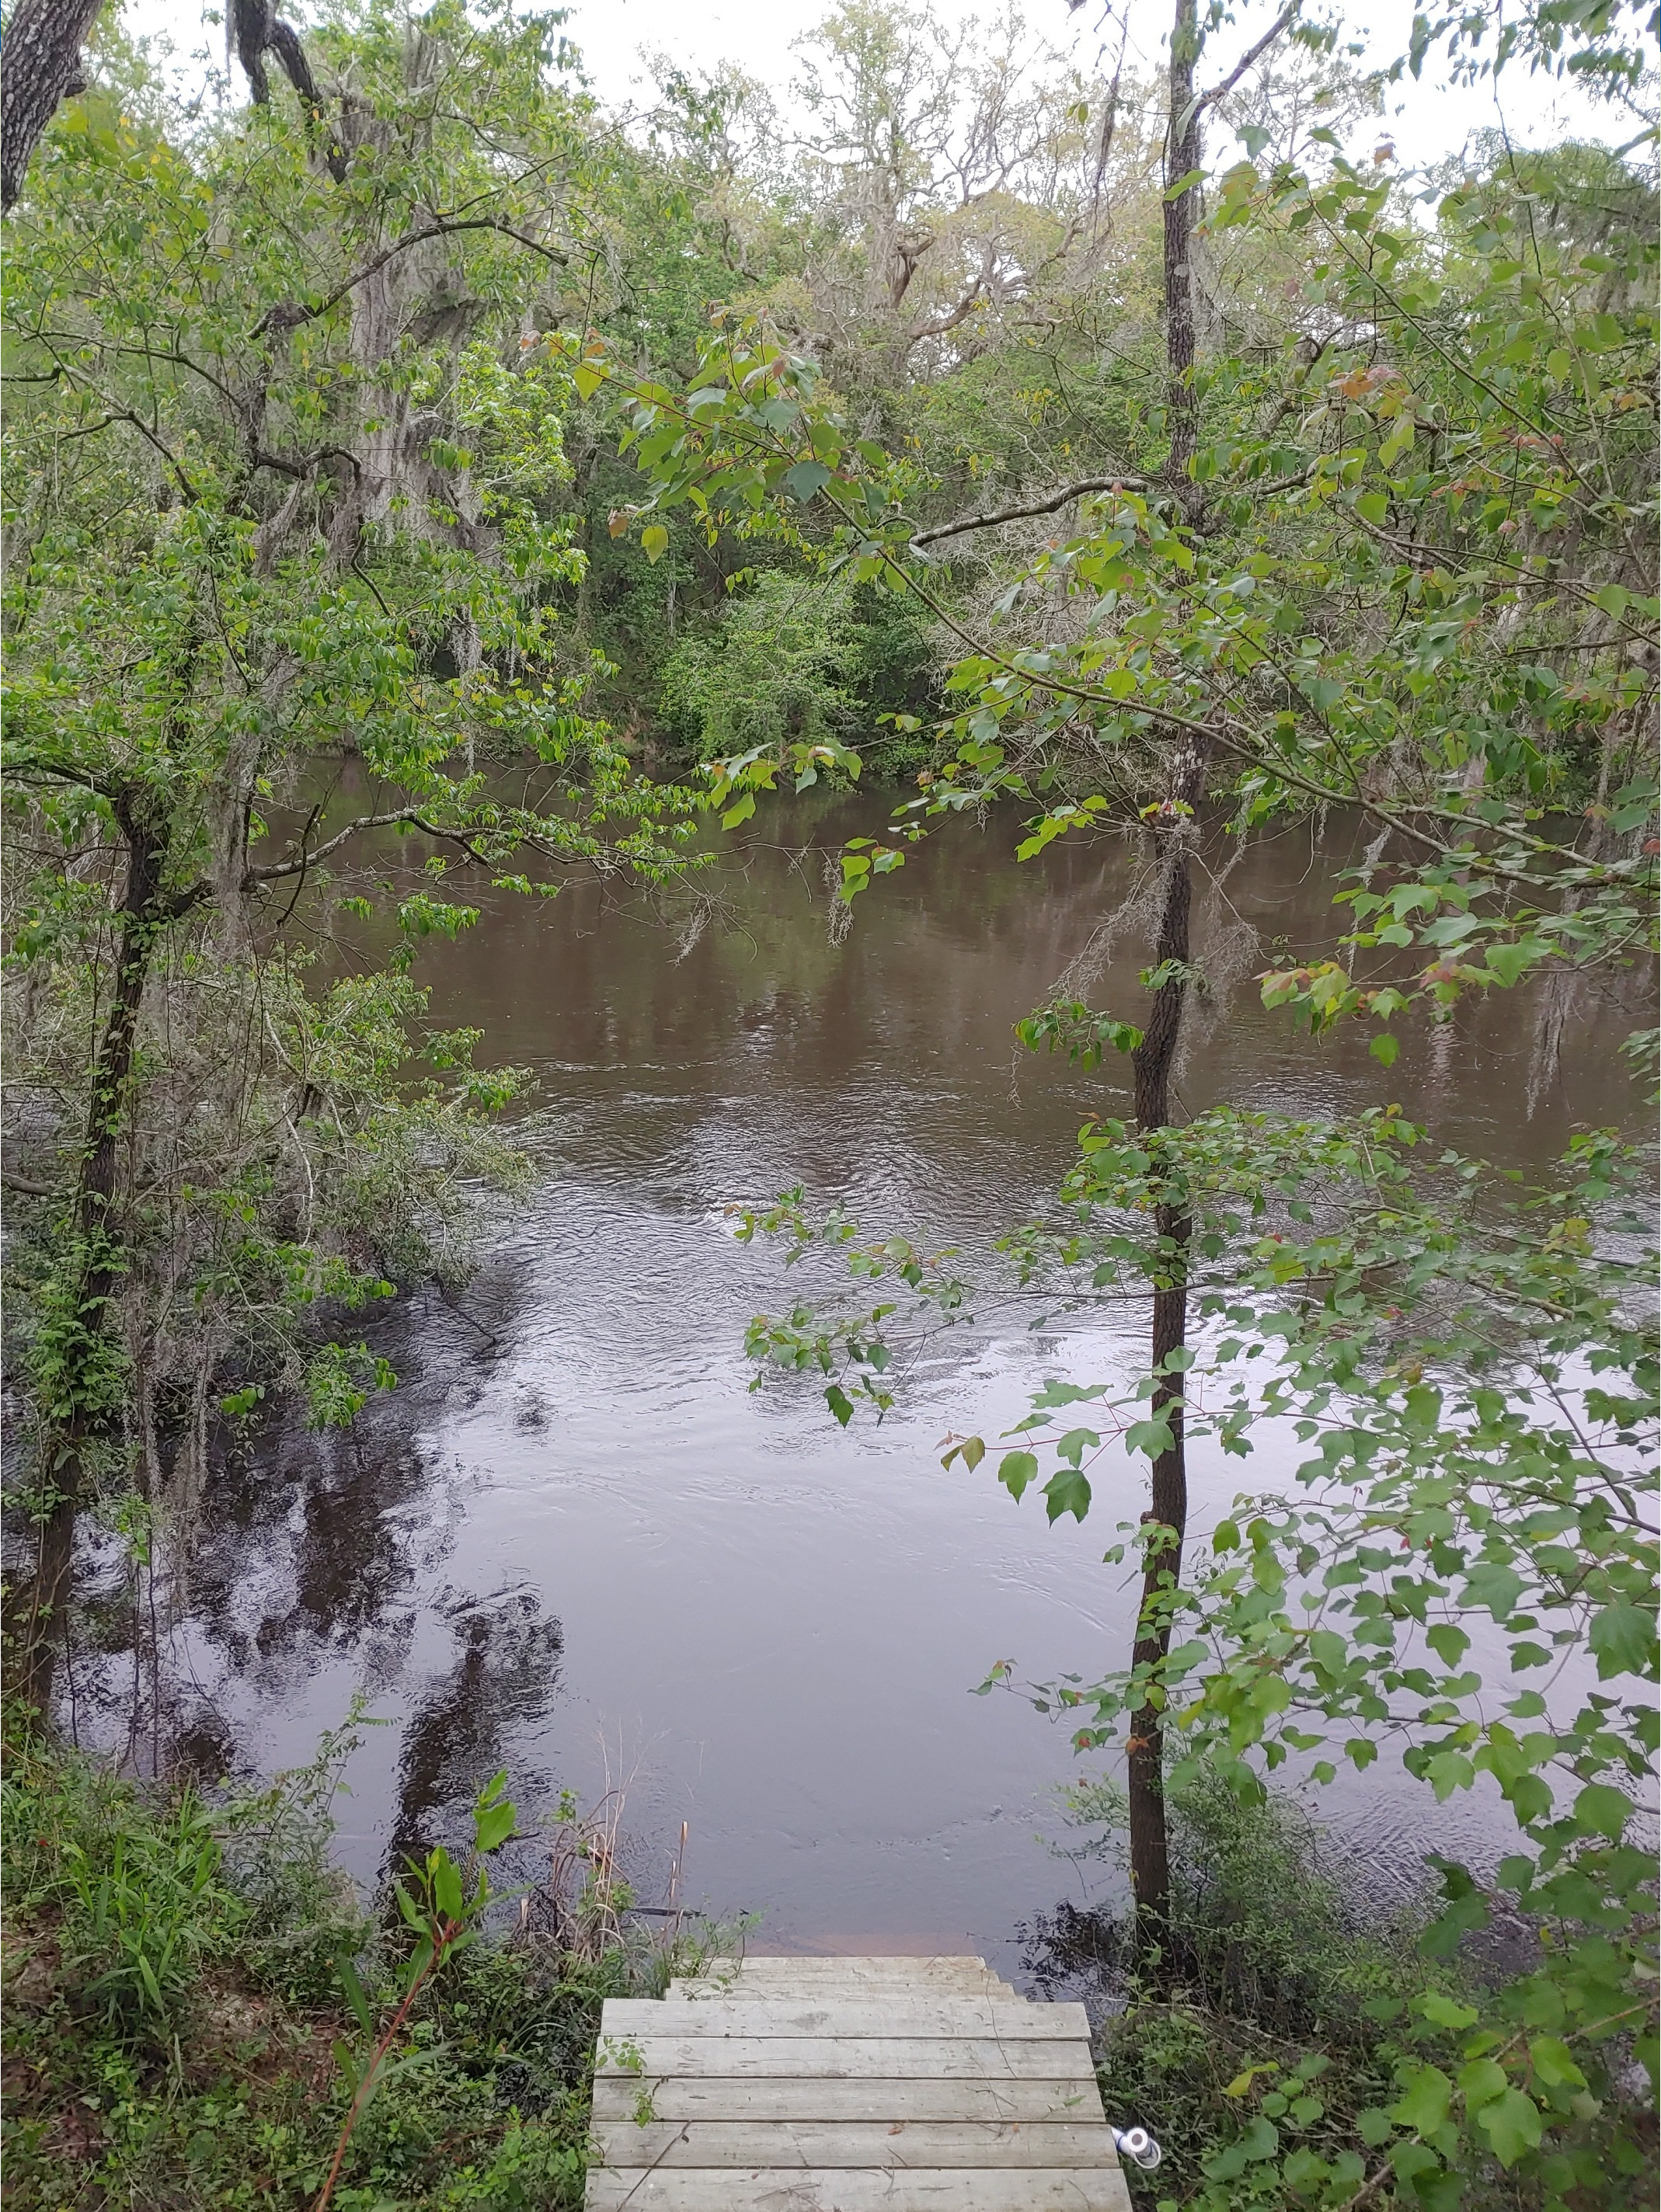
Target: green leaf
{"type": "Point", "coordinates": [1384, 1049]}
{"type": "Point", "coordinates": [1152, 1437]}
{"type": "Point", "coordinates": [1495, 1586]}
{"type": "Point", "coordinates": [1068, 1491]}
{"type": "Point", "coordinates": [1481, 2081]}
{"type": "Point", "coordinates": [1554, 2062]}
{"type": "Point", "coordinates": [840, 1403]}
{"type": "Point", "coordinates": [1601, 1809]}
{"type": "Point", "coordinates": [1624, 1640]}
{"type": "Point", "coordinates": [807, 478]}
{"type": "Point", "coordinates": [492, 1826]}
{"type": "Point", "coordinates": [1424, 1411]}
{"type": "Point", "coordinates": [1016, 1470]}
{"type": "Point", "coordinates": [346, 1974]}
{"type": "Point", "coordinates": [1448, 1642]}
{"type": "Point", "coordinates": [1425, 2101]}
{"type": "Point", "coordinates": [655, 542]}
{"type": "Point", "coordinates": [447, 1884]}
{"type": "Point", "coordinates": [1512, 2124]}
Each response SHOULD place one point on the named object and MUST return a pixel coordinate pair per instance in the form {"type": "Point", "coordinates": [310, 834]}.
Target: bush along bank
{"type": "Point", "coordinates": [200, 2012]}
{"type": "Point", "coordinates": [1268, 2052]}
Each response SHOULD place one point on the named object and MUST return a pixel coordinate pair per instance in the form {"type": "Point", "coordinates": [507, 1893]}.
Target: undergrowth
{"type": "Point", "coordinates": [1281, 2023]}
{"type": "Point", "coordinates": [174, 2019]}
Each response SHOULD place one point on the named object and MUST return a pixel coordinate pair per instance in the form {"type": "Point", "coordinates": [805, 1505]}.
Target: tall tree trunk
{"type": "Point", "coordinates": [41, 66]}
{"type": "Point", "coordinates": [1182, 156]}
{"type": "Point", "coordinates": [94, 1259]}
{"type": "Point", "coordinates": [1166, 1519]}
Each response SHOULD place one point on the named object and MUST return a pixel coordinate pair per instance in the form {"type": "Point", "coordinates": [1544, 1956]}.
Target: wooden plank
{"type": "Point", "coordinates": [813, 1962]}
{"type": "Point", "coordinates": [858, 1975]}
{"type": "Point", "coordinates": [855, 1975]}
{"type": "Point", "coordinates": [879, 2189]}
{"type": "Point", "coordinates": [901, 2144]}
{"type": "Point", "coordinates": [749, 1988]}
{"type": "Point", "coordinates": [647, 2058]}
{"type": "Point", "coordinates": [863, 1958]}
{"type": "Point", "coordinates": [976, 2017]}
{"type": "Point", "coordinates": [798, 2097]}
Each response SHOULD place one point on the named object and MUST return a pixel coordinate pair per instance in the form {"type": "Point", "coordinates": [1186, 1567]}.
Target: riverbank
{"type": "Point", "coordinates": [175, 2022]}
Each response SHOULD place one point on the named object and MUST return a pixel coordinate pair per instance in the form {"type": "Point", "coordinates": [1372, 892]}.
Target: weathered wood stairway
{"type": "Point", "coordinates": [844, 2085]}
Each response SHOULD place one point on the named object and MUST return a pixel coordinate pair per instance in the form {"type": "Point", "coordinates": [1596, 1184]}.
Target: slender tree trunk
{"type": "Point", "coordinates": [94, 1259]}
{"type": "Point", "coordinates": [40, 66]}
{"type": "Point", "coordinates": [1182, 156]}
{"type": "Point", "coordinates": [1166, 1519]}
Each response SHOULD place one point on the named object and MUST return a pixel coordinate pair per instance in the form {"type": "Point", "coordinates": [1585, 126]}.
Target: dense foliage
{"type": "Point", "coordinates": [179, 2028]}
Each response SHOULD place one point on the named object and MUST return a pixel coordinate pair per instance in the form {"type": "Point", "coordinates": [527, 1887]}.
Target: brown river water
{"type": "Point", "coordinates": [576, 1545]}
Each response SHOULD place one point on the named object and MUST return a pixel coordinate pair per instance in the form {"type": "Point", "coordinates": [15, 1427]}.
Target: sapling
{"type": "Point", "coordinates": [444, 1914]}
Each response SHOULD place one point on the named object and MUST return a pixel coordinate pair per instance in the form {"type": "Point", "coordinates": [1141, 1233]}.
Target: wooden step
{"type": "Point", "coordinates": [646, 2057]}
{"type": "Point", "coordinates": [905, 2014]}
{"type": "Point", "coordinates": [867, 1971]}
{"type": "Point", "coordinates": [850, 2085]}
{"type": "Point", "coordinates": [843, 2097]}
{"type": "Point", "coordinates": [770, 1980]}
{"type": "Point", "coordinates": [869, 2189]}
{"type": "Point", "coordinates": [792, 2143]}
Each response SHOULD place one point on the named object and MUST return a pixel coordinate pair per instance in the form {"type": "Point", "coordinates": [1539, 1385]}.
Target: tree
{"type": "Point", "coordinates": [43, 66]}
{"type": "Point", "coordinates": [285, 484]}
{"type": "Point", "coordinates": [1412, 582]}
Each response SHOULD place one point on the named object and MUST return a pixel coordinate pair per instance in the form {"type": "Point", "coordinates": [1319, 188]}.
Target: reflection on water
{"type": "Point", "coordinates": [575, 1522]}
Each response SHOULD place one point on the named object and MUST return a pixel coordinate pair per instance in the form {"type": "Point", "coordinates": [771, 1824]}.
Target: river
{"type": "Point", "coordinates": [576, 1543]}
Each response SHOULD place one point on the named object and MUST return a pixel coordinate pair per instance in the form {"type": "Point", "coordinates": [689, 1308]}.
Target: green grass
{"type": "Point", "coordinates": [171, 2015]}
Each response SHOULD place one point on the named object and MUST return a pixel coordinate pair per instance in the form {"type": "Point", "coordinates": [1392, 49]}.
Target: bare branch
{"type": "Point", "coordinates": [1252, 55]}
{"type": "Point", "coordinates": [289, 314]}
{"type": "Point", "coordinates": [29, 1187]}
{"type": "Point", "coordinates": [274, 871]}
{"type": "Point", "coordinates": [1118, 483]}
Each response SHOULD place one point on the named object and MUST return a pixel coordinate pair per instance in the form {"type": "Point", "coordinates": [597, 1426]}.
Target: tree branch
{"type": "Point", "coordinates": [274, 871]}
{"type": "Point", "coordinates": [1253, 54]}
{"type": "Point", "coordinates": [1041, 506]}
{"type": "Point", "coordinates": [289, 314]}
{"type": "Point", "coordinates": [27, 1185]}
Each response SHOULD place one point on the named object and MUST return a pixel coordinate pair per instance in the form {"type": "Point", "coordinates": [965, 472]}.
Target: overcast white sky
{"type": "Point", "coordinates": [1433, 120]}
{"type": "Point", "coordinates": [1425, 120]}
